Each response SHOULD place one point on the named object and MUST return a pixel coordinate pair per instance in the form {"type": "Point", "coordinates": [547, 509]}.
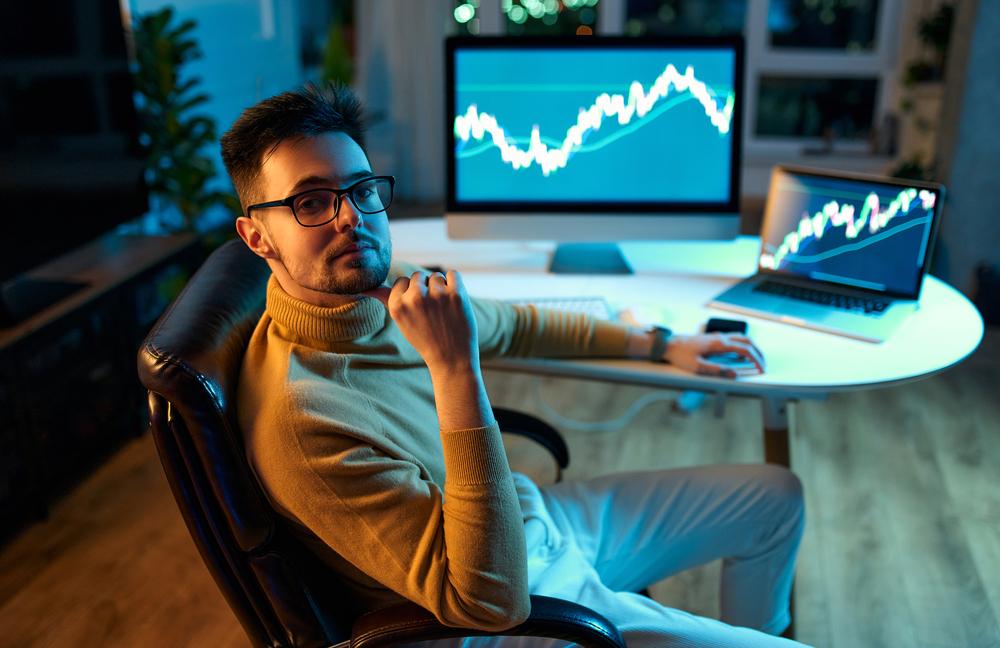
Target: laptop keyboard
{"type": "Point", "coordinates": [593, 306]}
{"type": "Point", "coordinates": [865, 305]}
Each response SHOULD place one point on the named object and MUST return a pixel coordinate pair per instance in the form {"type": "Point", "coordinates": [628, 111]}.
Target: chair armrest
{"type": "Point", "coordinates": [538, 431]}
{"type": "Point", "coordinates": [550, 617]}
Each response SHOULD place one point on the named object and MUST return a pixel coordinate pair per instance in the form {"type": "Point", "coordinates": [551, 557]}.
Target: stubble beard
{"type": "Point", "coordinates": [361, 273]}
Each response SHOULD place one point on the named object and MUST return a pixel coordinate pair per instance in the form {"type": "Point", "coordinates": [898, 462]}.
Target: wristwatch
{"type": "Point", "coordinates": [661, 337]}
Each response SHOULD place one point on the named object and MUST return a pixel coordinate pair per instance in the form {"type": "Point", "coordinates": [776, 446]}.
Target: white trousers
{"type": "Point", "coordinates": [598, 541]}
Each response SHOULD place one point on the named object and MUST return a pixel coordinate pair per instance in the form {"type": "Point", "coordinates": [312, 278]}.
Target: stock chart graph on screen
{"type": "Point", "coordinates": [871, 239]}
{"type": "Point", "coordinates": [622, 126]}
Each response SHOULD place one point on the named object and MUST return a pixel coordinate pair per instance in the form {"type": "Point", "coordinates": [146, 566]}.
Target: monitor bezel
{"type": "Point", "coordinates": [939, 200]}
{"type": "Point", "coordinates": [555, 208]}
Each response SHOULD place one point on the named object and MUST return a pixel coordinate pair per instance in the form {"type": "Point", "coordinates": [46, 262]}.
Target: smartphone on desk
{"type": "Point", "coordinates": [721, 325]}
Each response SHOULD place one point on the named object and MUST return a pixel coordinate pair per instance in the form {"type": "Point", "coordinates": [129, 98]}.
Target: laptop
{"type": "Point", "coordinates": [841, 253]}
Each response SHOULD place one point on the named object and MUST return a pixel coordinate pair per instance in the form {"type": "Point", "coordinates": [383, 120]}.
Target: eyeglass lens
{"type": "Point", "coordinates": [321, 205]}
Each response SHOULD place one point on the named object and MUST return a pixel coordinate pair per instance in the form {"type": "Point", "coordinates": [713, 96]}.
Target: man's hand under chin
{"type": "Point", "coordinates": [434, 314]}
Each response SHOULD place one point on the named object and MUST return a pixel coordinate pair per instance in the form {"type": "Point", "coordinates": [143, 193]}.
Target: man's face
{"type": "Point", "coordinates": [314, 257]}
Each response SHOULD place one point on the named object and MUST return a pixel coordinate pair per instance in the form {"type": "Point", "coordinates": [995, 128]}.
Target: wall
{"type": "Point", "coordinates": [400, 77]}
{"type": "Point", "coordinates": [250, 51]}
{"type": "Point", "coordinates": [970, 146]}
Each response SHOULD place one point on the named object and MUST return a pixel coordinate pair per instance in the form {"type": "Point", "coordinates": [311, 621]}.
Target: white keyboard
{"type": "Point", "coordinates": [594, 306]}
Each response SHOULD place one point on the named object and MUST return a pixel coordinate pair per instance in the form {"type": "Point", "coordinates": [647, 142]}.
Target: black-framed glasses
{"type": "Point", "coordinates": [317, 207]}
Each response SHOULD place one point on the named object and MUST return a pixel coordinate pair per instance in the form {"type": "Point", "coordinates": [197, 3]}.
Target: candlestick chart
{"type": "Point", "coordinates": [869, 237]}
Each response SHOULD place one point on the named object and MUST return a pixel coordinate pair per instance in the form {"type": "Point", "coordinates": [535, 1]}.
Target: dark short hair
{"type": "Point", "coordinates": [311, 110]}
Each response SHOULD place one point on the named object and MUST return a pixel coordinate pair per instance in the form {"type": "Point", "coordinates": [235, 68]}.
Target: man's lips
{"type": "Point", "coordinates": [352, 247]}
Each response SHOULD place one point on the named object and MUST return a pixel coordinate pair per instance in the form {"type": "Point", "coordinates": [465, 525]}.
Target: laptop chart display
{"type": "Point", "coordinates": [857, 233]}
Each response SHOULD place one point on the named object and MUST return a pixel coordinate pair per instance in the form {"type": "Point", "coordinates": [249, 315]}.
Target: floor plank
{"type": "Point", "coordinates": [113, 566]}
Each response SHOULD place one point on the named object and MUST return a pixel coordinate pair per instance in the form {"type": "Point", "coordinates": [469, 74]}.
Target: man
{"type": "Point", "coordinates": [368, 424]}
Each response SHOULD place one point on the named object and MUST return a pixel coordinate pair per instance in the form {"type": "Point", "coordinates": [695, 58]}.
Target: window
{"type": "Point", "coordinates": [557, 17]}
{"type": "Point", "coordinates": [531, 17]}
{"type": "Point", "coordinates": [684, 17]}
{"type": "Point", "coordinates": [828, 108]}
{"type": "Point", "coordinates": [820, 73]}
{"type": "Point", "coordinates": [823, 24]}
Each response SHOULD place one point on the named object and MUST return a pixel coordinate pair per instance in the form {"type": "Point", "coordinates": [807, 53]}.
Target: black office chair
{"type": "Point", "coordinates": [281, 593]}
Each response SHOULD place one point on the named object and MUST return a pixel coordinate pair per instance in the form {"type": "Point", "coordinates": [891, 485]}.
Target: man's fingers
{"type": "Point", "coordinates": [732, 344]}
{"type": "Point", "coordinates": [399, 288]}
{"type": "Point", "coordinates": [744, 339]}
{"type": "Point", "coordinates": [455, 282]}
{"type": "Point", "coordinates": [706, 368]}
{"type": "Point", "coordinates": [752, 353]}
{"type": "Point", "coordinates": [436, 283]}
{"type": "Point", "coordinates": [418, 283]}
{"type": "Point", "coordinates": [717, 342]}
{"type": "Point", "coordinates": [749, 352]}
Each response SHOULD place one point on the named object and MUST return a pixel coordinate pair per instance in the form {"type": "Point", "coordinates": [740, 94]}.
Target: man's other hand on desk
{"type": "Point", "coordinates": [726, 355]}
{"type": "Point", "coordinates": [715, 354]}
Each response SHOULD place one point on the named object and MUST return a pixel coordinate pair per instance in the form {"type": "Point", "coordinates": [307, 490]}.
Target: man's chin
{"type": "Point", "coordinates": [358, 280]}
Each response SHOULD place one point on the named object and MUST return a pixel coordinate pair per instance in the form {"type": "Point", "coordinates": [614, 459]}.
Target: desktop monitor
{"type": "Point", "coordinates": [593, 140]}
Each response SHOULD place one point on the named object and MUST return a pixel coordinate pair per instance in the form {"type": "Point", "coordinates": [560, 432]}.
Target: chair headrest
{"type": "Point", "coordinates": [207, 328]}
{"type": "Point", "coordinates": [192, 358]}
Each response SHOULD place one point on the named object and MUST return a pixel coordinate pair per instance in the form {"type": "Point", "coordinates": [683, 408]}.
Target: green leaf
{"type": "Point", "coordinates": [188, 85]}
{"type": "Point", "coordinates": [188, 104]}
{"type": "Point", "coordinates": [181, 31]}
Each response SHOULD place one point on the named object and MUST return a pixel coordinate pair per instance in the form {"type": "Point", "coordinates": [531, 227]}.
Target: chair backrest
{"type": "Point", "coordinates": [190, 364]}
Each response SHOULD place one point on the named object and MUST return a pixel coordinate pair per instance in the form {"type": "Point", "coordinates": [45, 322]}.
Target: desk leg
{"type": "Point", "coordinates": [776, 451]}
{"type": "Point", "coordinates": [776, 448]}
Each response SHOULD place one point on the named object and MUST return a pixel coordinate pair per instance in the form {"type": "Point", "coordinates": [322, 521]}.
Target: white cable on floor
{"type": "Point", "coordinates": [609, 425]}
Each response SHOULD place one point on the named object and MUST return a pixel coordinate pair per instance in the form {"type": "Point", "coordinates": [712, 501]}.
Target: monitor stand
{"type": "Point", "coordinates": [589, 258]}
{"type": "Point", "coordinates": [22, 297]}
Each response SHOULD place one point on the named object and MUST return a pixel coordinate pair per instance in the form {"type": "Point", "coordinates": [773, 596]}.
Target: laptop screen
{"type": "Point", "coordinates": [874, 234]}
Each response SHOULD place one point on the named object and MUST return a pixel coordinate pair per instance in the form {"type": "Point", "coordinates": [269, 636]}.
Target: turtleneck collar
{"type": "Point", "coordinates": [324, 324]}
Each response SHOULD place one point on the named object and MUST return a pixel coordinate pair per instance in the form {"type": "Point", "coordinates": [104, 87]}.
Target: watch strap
{"type": "Point", "coordinates": [661, 337]}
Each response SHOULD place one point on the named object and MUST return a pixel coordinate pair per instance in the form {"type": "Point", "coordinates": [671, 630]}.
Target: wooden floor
{"type": "Point", "coordinates": [902, 546]}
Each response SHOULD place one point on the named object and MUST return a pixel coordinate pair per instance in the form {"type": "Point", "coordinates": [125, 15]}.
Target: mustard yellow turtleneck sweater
{"type": "Point", "coordinates": [341, 428]}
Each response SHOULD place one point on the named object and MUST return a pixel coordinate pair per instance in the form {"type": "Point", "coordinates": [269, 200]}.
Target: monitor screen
{"type": "Point", "coordinates": [869, 233]}
{"type": "Point", "coordinates": [588, 124]}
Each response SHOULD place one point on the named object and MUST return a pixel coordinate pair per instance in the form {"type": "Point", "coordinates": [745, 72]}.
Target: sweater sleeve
{"type": "Point", "coordinates": [529, 331]}
{"type": "Point", "coordinates": [459, 553]}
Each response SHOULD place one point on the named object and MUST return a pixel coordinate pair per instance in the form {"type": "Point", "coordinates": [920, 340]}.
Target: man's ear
{"type": "Point", "coordinates": [255, 237]}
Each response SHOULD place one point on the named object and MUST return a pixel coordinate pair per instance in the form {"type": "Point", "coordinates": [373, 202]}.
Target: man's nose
{"type": "Point", "coordinates": [348, 218]}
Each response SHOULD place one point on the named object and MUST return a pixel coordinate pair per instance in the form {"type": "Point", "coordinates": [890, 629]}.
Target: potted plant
{"type": "Point", "coordinates": [172, 132]}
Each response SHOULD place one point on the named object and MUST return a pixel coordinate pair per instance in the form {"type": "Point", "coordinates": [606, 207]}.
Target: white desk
{"type": "Point", "coordinates": [671, 285]}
